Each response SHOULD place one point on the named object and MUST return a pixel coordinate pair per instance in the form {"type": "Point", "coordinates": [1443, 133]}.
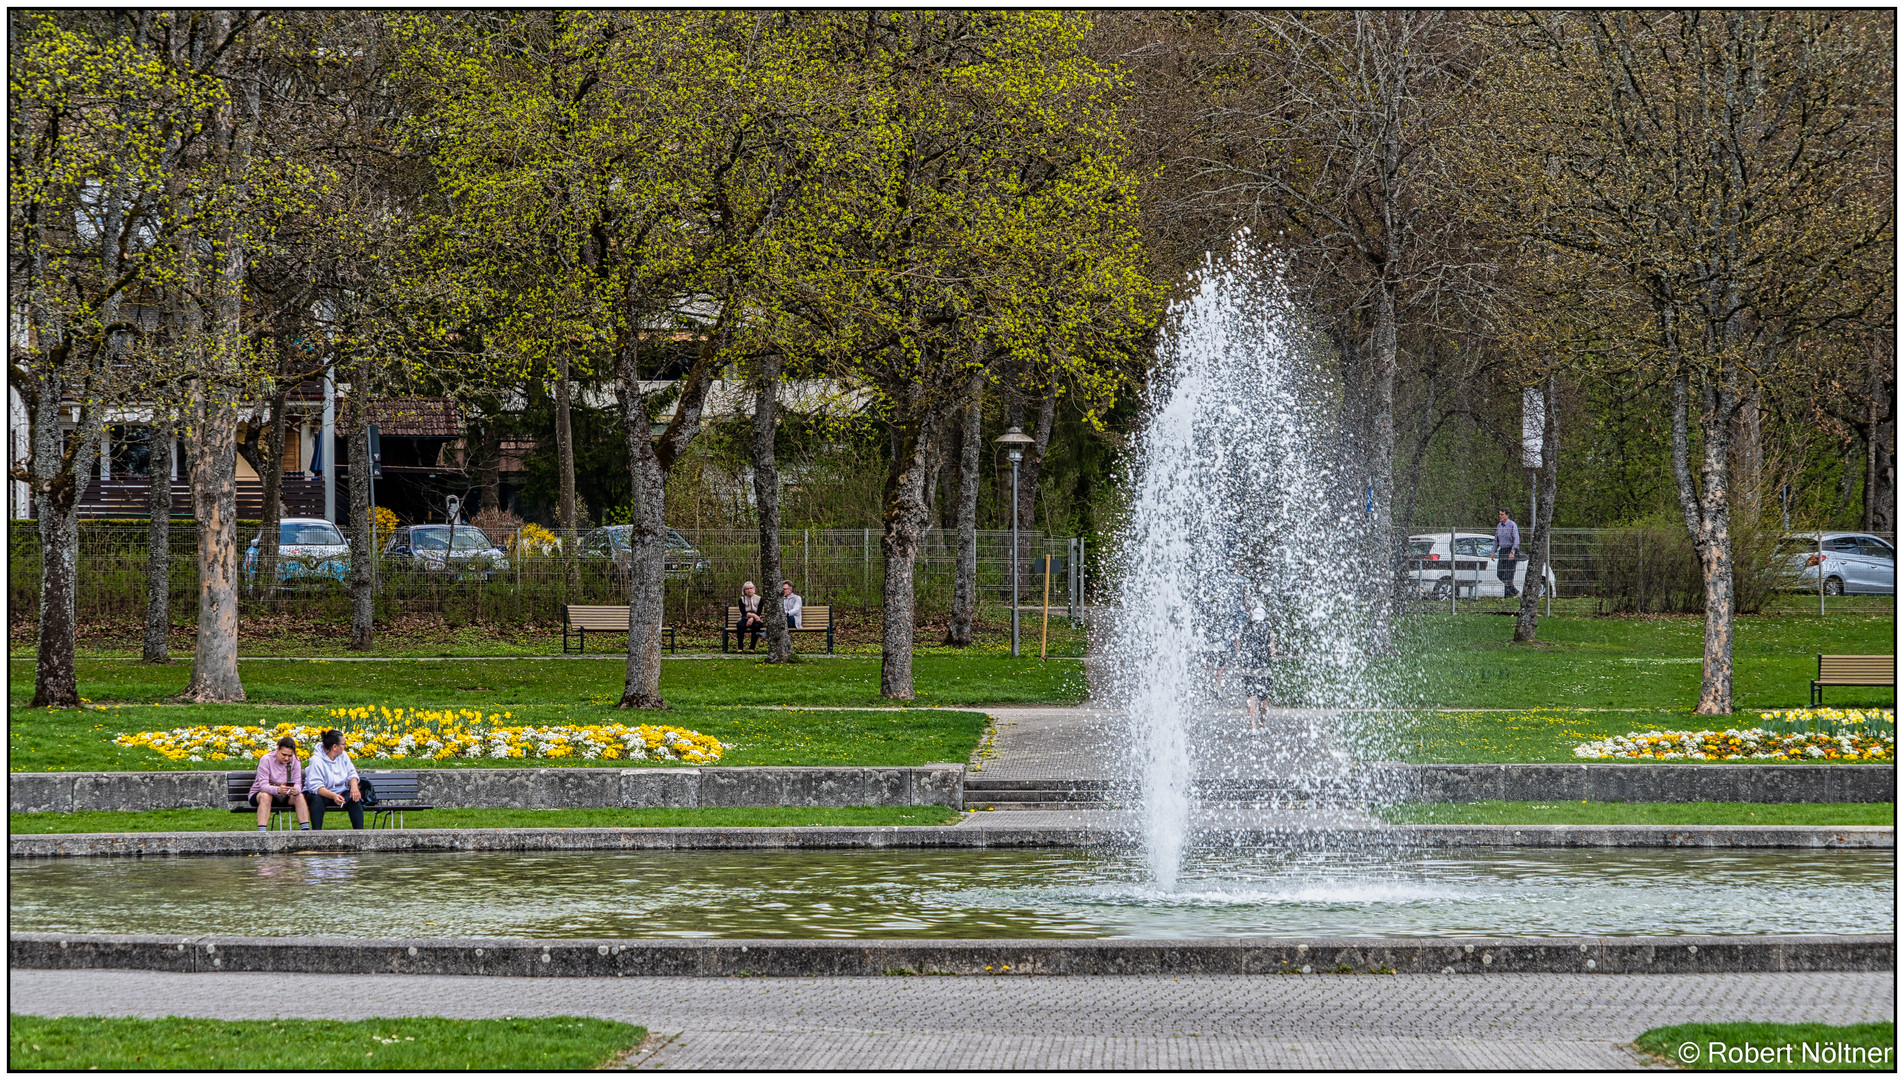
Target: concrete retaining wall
{"type": "Point", "coordinates": [1660, 782]}
{"type": "Point", "coordinates": [533, 789]}
{"type": "Point", "coordinates": [249, 842]}
{"type": "Point", "coordinates": [597, 958]}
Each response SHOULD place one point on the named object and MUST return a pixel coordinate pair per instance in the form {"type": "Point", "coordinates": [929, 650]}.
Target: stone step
{"type": "Point", "coordinates": [1002, 807]}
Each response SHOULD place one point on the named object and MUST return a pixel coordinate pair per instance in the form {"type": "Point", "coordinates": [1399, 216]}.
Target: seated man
{"type": "Point", "coordinates": [332, 781]}
{"type": "Point", "coordinates": [790, 603]}
{"type": "Point", "coordinates": [280, 780]}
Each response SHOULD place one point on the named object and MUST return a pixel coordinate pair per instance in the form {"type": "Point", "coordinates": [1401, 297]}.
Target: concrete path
{"type": "Point", "coordinates": [1078, 1022]}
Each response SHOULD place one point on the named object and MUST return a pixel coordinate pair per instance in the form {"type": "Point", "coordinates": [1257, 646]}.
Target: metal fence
{"type": "Point", "coordinates": [841, 567]}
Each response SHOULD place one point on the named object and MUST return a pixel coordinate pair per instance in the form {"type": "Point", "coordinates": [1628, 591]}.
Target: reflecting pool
{"type": "Point", "coordinates": [1508, 892]}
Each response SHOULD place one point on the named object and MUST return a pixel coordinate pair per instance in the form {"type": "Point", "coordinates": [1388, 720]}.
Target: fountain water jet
{"type": "Point", "coordinates": [1237, 470]}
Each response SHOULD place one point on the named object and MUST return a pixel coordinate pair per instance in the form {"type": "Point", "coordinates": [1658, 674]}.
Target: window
{"type": "Point", "coordinates": [1877, 549]}
{"type": "Point", "coordinates": [1797, 545]}
{"type": "Point", "coordinates": [1845, 545]}
{"type": "Point", "coordinates": [437, 538]}
{"type": "Point", "coordinates": [321, 533]}
{"type": "Point", "coordinates": [1416, 548]}
{"type": "Point", "coordinates": [130, 449]}
{"type": "Point", "coordinates": [1474, 547]}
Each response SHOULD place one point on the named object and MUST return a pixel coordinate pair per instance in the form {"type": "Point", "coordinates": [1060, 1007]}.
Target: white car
{"type": "Point", "coordinates": [1470, 567]}
{"type": "Point", "coordinates": [307, 548]}
{"type": "Point", "coordinates": [1850, 562]}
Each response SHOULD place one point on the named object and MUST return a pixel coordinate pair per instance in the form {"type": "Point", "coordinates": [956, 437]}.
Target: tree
{"type": "Point", "coordinates": [1331, 129]}
{"type": "Point", "coordinates": [95, 127]}
{"type": "Point", "coordinates": [987, 166]}
{"type": "Point", "coordinates": [1706, 173]}
{"type": "Point", "coordinates": [767, 503]}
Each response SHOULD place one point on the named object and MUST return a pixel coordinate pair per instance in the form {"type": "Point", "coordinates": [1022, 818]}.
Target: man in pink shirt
{"type": "Point", "coordinates": [280, 777]}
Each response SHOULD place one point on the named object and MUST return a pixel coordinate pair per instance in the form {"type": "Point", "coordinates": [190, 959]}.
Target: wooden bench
{"type": "Point", "coordinates": [610, 618]}
{"type": "Point", "coordinates": [396, 792]}
{"type": "Point", "coordinates": [814, 619]}
{"type": "Point", "coordinates": [1852, 671]}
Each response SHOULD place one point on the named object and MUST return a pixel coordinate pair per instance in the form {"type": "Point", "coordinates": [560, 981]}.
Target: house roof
{"type": "Point", "coordinates": [414, 417]}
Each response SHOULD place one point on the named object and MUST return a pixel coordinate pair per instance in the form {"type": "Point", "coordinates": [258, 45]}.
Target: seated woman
{"type": "Point", "coordinates": [750, 620]}
{"type": "Point", "coordinates": [332, 781]}
{"type": "Point", "coordinates": [280, 781]}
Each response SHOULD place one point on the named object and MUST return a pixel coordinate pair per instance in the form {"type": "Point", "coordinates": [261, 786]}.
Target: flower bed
{"type": "Point", "coordinates": [1748, 744]}
{"type": "Point", "coordinates": [382, 734]}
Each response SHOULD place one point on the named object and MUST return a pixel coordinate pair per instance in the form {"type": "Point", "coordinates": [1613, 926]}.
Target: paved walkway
{"type": "Point", "coordinates": [1086, 743]}
{"type": "Point", "coordinates": [1075, 1022]}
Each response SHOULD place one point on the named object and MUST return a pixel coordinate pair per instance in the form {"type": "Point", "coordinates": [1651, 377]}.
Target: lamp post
{"type": "Point", "coordinates": [1014, 441]}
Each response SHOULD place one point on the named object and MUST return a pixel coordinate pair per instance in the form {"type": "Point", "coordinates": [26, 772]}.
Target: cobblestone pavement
{"type": "Point", "coordinates": [1075, 1022]}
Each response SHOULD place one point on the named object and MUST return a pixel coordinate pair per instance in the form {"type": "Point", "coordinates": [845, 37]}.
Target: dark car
{"type": "Point", "coordinates": [609, 546]}
{"type": "Point", "coordinates": [431, 547]}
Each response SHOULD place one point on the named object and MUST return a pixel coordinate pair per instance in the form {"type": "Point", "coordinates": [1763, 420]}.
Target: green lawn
{"type": "Point", "coordinates": [1467, 660]}
{"type": "Point", "coordinates": [1521, 735]}
{"type": "Point", "coordinates": [939, 678]}
{"type": "Point", "coordinates": [1600, 813]}
{"type": "Point", "coordinates": [175, 1042]}
{"type": "Point", "coordinates": [740, 817]}
{"type": "Point", "coordinates": [68, 740]}
{"type": "Point", "coordinates": [1692, 1045]}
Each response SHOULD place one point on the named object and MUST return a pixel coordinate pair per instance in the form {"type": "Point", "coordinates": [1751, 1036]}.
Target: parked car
{"type": "Point", "coordinates": [427, 547]}
{"type": "Point", "coordinates": [1469, 566]}
{"type": "Point", "coordinates": [1850, 562]}
{"type": "Point", "coordinates": [309, 549]}
{"type": "Point", "coordinates": [609, 545]}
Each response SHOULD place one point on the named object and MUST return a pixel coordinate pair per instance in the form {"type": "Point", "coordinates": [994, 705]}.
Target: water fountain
{"type": "Point", "coordinates": [1236, 476]}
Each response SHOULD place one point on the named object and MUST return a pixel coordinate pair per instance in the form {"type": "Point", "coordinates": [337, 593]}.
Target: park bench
{"type": "Point", "coordinates": [814, 619]}
{"type": "Point", "coordinates": [396, 792]}
{"type": "Point", "coordinates": [1852, 671]}
{"type": "Point", "coordinates": [610, 618]}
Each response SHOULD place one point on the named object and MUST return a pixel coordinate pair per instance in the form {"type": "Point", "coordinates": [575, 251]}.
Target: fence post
{"type": "Point", "coordinates": [866, 562]}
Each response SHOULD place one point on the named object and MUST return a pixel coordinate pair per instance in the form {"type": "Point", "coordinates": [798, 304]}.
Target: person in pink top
{"type": "Point", "coordinates": [280, 779]}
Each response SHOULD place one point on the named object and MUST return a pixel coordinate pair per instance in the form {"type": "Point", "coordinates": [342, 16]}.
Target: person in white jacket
{"type": "Point", "coordinates": [790, 603]}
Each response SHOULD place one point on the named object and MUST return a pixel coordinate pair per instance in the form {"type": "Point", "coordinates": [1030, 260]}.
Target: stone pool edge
{"type": "Point", "coordinates": [597, 958]}
{"type": "Point", "coordinates": [81, 845]}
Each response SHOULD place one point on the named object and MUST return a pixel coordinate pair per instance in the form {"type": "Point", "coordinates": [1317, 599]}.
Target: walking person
{"type": "Point", "coordinates": [790, 603]}
{"type": "Point", "coordinates": [751, 621]}
{"type": "Point", "coordinates": [332, 781]}
{"type": "Point", "coordinates": [280, 780]}
{"type": "Point", "coordinates": [1507, 549]}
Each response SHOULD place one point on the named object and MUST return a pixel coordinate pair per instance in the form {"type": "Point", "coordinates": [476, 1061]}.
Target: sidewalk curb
{"type": "Point", "coordinates": [596, 958]}
{"type": "Point", "coordinates": [86, 845]}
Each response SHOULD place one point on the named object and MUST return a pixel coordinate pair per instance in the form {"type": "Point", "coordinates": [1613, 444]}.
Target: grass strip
{"type": "Point", "coordinates": [737, 817]}
{"type": "Point", "coordinates": [75, 740]}
{"type": "Point", "coordinates": [1494, 812]}
{"type": "Point", "coordinates": [1741, 1046]}
{"type": "Point", "coordinates": [434, 1043]}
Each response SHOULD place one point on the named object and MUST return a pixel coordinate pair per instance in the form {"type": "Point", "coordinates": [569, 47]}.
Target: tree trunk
{"type": "Point", "coordinates": [1033, 465]}
{"type": "Point", "coordinates": [1526, 621]}
{"type": "Point", "coordinates": [273, 476]}
{"type": "Point", "coordinates": [214, 479]}
{"type": "Point", "coordinates": [899, 542]}
{"type": "Point", "coordinates": [965, 576]}
{"type": "Point", "coordinates": [564, 452]}
{"type": "Point", "coordinates": [363, 552]}
{"type": "Point", "coordinates": [649, 460]}
{"type": "Point", "coordinates": [1704, 507]}
{"type": "Point", "coordinates": [1381, 466]}
{"type": "Point", "coordinates": [158, 562]}
{"type": "Point", "coordinates": [214, 441]}
{"type": "Point", "coordinates": [56, 485]}
{"type": "Point", "coordinates": [1749, 453]}
{"type": "Point", "coordinates": [489, 465]}
{"type": "Point", "coordinates": [767, 502]}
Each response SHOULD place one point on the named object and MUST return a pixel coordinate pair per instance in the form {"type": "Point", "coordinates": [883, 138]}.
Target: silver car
{"type": "Point", "coordinates": [1850, 562]}
{"type": "Point", "coordinates": [427, 547]}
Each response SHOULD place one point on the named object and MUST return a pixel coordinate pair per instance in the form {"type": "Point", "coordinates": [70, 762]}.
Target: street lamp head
{"type": "Point", "coordinates": [1014, 441]}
